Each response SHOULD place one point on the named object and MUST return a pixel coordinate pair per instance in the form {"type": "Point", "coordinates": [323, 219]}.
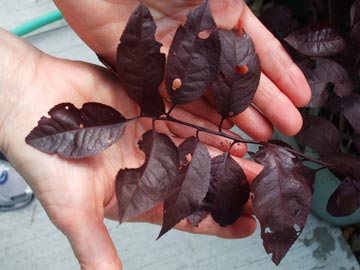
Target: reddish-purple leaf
{"type": "Point", "coordinates": [317, 40]}
{"type": "Point", "coordinates": [320, 73]}
{"type": "Point", "coordinates": [106, 63]}
{"type": "Point", "coordinates": [355, 34]}
{"type": "Point", "coordinates": [139, 62]}
{"type": "Point", "coordinates": [143, 188]}
{"type": "Point", "coordinates": [239, 74]}
{"type": "Point", "coordinates": [282, 199]}
{"type": "Point", "coordinates": [194, 57]}
{"type": "Point", "coordinates": [309, 175]}
{"type": "Point", "coordinates": [192, 183]}
{"type": "Point", "coordinates": [346, 198]}
{"type": "Point", "coordinates": [227, 194]}
{"type": "Point", "coordinates": [230, 188]}
{"type": "Point", "coordinates": [356, 141]}
{"type": "Point", "coordinates": [320, 135]}
{"type": "Point", "coordinates": [78, 133]}
{"type": "Point", "coordinates": [200, 214]}
{"type": "Point", "coordinates": [349, 107]}
{"type": "Point", "coordinates": [355, 13]}
{"type": "Point", "coordinates": [344, 165]}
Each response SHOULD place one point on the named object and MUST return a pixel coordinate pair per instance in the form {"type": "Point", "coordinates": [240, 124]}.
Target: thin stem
{"type": "Point", "coordinates": [171, 109]}
{"type": "Point", "coordinates": [221, 124]}
{"type": "Point", "coordinates": [308, 158]}
{"type": "Point", "coordinates": [197, 134]}
{"type": "Point", "coordinates": [235, 139]}
{"type": "Point", "coordinates": [202, 129]}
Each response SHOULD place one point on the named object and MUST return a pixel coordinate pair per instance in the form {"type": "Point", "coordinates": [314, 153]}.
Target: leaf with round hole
{"type": "Point", "coordinates": [78, 133]}
{"type": "Point", "coordinates": [282, 199]}
{"type": "Point", "coordinates": [194, 56]}
{"type": "Point", "coordinates": [239, 74]}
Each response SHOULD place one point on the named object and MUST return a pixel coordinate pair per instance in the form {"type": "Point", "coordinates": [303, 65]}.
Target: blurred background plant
{"type": "Point", "coordinates": [323, 38]}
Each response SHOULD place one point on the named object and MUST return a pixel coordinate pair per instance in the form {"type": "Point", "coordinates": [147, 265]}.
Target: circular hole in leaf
{"type": "Point", "coordinates": [242, 70]}
{"type": "Point", "coordinates": [176, 84]}
{"type": "Point", "coordinates": [204, 34]}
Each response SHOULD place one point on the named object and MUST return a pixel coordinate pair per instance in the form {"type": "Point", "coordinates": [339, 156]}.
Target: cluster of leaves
{"type": "Point", "coordinates": [324, 38]}
{"type": "Point", "coordinates": [186, 179]}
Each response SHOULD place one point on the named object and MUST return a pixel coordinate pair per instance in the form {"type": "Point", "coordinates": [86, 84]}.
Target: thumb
{"type": "Point", "coordinates": [91, 243]}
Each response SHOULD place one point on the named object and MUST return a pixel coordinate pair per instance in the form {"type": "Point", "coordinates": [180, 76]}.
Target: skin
{"type": "Point", "coordinates": [79, 194]}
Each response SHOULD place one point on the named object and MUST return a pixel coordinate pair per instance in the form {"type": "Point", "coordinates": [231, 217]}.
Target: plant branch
{"type": "Point", "coordinates": [237, 139]}
{"type": "Point", "coordinates": [210, 131]}
{"type": "Point", "coordinates": [308, 158]}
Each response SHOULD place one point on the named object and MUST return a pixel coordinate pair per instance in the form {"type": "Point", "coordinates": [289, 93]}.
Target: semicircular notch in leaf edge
{"type": "Point", "coordinates": [77, 133]}
{"type": "Point", "coordinates": [141, 189]}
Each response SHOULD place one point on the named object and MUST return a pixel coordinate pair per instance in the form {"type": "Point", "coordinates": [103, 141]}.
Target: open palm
{"type": "Point", "coordinates": [78, 194]}
{"type": "Point", "coordinates": [282, 85]}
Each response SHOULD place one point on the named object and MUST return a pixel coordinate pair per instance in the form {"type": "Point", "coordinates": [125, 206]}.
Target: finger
{"type": "Point", "coordinates": [251, 121]}
{"type": "Point", "coordinates": [91, 242]}
{"type": "Point", "coordinates": [254, 124]}
{"type": "Point", "coordinates": [95, 28]}
{"type": "Point", "coordinates": [204, 109]}
{"type": "Point", "coordinates": [183, 131]}
{"type": "Point", "coordinates": [275, 62]}
{"type": "Point", "coordinates": [244, 226]}
{"type": "Point", "coordinates": [277, 107]}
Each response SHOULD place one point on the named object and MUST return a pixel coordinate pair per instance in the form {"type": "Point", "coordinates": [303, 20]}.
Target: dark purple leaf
{"type": "Point", "coordinates": [356, 141]}
{"type": "Point", "coordinates": [78, 133]}
{"type": "Point", "coordinates": [192, 183]}
{"type": "Point", "coordinates": [106, 63]}
{"type": "Point", "coordinates": [309, 175]}
{"type": "Point", "coordinates": [282, 199]}
{"type": "Point", "coordinates": [346, 198]}
{"type": "Point", "coordinates": [239, 74]}
{"type": "Point", "coordinates": [320, 73]}
{"type": "Point", "coordinates": [279, 20]}
{"type": "Point", "coordinates": [355, 13]}
{"type": "Point", "coordinates": [227, 195]}
{"type": "Point", "coordinates": [320, 135]}
{"type": "Point", "coordinates": [143, 188]}
{"type": "Point", "coordinates": [355, 34]}
{"type": "Point", "coordinates": [335, 104]}
{"type": "Point", "coordinates": [317, 40]}
{"type": "Point", "coordinates": [344, 165]}
{"type": "Point", "coordinates": [139, 62]}
{"type": "Point", "coordinates": [352, 111]}
{"type": "Point", "coordinates": [194, 57]}
{"type": "Point", "coordinates": [230, 187]}
{"type": "Point", "coordinates": [200, 214]}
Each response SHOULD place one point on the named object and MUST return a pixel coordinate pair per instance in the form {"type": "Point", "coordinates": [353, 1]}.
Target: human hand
{"type": "Point", "coordinates": [282, 85]}
{"type": "Point", "coordinates": [78, 194]}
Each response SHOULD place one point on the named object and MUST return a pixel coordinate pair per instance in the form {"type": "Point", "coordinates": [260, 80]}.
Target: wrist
{"type": "Point", "coordinates": [16, 69]}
